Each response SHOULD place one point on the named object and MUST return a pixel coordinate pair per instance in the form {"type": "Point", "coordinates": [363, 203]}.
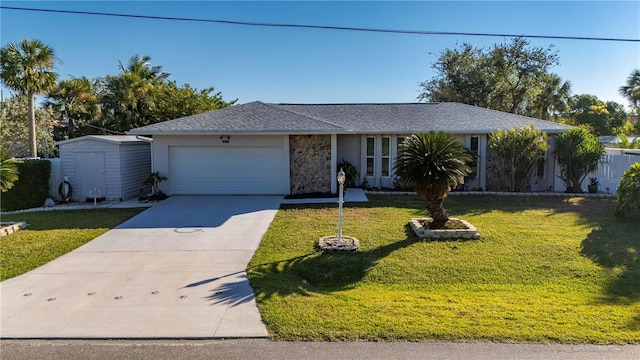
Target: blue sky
{"type": "Point", "coordinates": [325, 66]}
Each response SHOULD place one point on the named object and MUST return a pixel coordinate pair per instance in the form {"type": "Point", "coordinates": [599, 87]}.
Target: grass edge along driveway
{"type": "Point", "coordinates": [547, 270]}
{"type": "Point", "coordinates": [52, 234]}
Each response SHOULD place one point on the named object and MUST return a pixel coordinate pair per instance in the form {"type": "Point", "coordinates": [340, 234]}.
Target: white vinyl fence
{"type": "Point", "coordinates": [610, 170]}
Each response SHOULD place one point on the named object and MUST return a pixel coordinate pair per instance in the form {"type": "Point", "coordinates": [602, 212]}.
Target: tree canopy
{"type": "Point", "coordinates": [512, 77]}
{"type": "Point", "coordinates": [604, 118]}
{"type": "Point", "coordinates": [14, 130]}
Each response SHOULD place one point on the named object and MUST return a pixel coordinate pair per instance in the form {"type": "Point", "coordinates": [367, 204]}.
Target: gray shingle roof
{"type": "Point", "coordinates": [260, 118]}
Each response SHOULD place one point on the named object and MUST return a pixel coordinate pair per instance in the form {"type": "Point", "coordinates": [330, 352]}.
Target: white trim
{"type": "Point", "coordinates": [334, 163]}
{"type": "Point", "coordinates": [286, 158]}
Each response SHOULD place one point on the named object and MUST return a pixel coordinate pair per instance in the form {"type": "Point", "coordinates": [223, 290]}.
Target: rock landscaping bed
{"type": "Point", "coordinates": [458, 229]}
{"type": "Point", "coordinates": [7, 228]}
{"type": "Point", "coordinates": [332, 243]}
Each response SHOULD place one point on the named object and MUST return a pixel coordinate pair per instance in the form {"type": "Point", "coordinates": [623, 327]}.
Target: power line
{"type": "Point", "coordinates": [321, 27]}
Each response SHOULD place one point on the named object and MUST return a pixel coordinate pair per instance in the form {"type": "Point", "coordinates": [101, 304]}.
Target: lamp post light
{"type": "Point", "coordinates": [339, 243]}
{"type": "Point", "coordinates": [341, 178]}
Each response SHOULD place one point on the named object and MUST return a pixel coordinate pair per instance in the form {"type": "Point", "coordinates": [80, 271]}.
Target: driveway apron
{"type": "Point", "coordinates": [177, 270]}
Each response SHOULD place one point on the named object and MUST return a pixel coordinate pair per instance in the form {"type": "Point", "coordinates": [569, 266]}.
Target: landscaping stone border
{"type": "Point", "coordinates": [7, 228]}
{"type": "Point", "coordinates": [448, 234]}
{"type": "Point", "coordinates": [331, 243]}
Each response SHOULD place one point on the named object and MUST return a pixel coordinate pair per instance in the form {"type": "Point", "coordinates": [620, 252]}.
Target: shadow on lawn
{"type": "Point", "coordinates": [319, 272]}
{"type": "Point", "coordinates": [616, 245]}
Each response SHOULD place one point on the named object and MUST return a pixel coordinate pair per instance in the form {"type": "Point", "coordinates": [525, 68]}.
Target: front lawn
{"type": "Point", "coordinates": [52, 234]}
{"type": "Point", "coordinates": [547, 269]}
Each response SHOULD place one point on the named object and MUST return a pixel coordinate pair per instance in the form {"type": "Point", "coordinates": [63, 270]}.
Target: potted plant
{"type": "Point", "coordinates": [593, 185]}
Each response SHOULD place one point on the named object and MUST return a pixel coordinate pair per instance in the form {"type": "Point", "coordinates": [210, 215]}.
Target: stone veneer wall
{"type": "Point", "coordinates": [310, 163]}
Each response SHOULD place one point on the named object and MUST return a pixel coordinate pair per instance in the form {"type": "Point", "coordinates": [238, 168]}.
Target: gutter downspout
{"type": "Point", "coordinates": [150, 141]}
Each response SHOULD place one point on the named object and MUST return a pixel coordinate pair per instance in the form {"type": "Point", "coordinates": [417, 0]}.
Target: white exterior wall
{"type": "Point", "coordinates": [135, 167]}
{"type": "Point", "coordinates": [349, 150]}
{"type": "Point", "coordinates": [55, 178]}
{"type": "Point", "coordinates": [110, 182]}
{"type": "Point", "coordinates": [81, 182]}
{"type": "Point", "coordinates": [163, 143]}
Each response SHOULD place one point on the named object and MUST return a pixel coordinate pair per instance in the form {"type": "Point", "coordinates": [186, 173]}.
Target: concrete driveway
{"type": "Point", "coordinates": [177, 270]}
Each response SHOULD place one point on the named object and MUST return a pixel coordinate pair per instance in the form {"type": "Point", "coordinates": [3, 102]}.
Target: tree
{"type": "Point", "coordinates": [577, 152]}
{"type": "Point", "coordinates": [552, 98]}
{"type": "Point", "coordinates": [632, 89]}
{"type": "Point", "coordinates": [174, 102]}
{"type": "Point", "coordinates": [14, 130]}
{"type": "Point", "coordinates": [432, 163]}
{"type": "Point", "coordinates": [8, 171]}
{"type": "Point", "coordinates": [518, 153]}
{"type": "Point", "coordinates": [141, 95]}
{"type": "Point", "coordinates": [76, 100]}
{"type": "Point", "coordinates": [625, 143]}
{"type": "Point", "coordinates": [128, 99]}
{"type": "Point", "coordinates": [603, 118]}
{"type": "Point", "coordinates": [628, 192]}
{"type": "Point", "coordinates": [27, 68]}
{"type": "Point", "coordinates": [507, 77]}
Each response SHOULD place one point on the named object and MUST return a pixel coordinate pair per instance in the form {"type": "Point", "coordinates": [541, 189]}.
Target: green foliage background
{"type": "Point", "coordinates": [31, 189]}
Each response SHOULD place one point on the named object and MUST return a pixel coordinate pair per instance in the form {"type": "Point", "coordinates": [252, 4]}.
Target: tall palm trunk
{"type": "Point", "coordinates": [33, 145]}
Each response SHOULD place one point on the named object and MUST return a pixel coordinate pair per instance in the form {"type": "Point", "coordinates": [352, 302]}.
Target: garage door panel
{"type": "Point", "coordinates": [229, 170]}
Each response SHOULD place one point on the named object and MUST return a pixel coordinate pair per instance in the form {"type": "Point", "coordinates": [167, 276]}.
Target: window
{"type": "Point", "coordinates": [399, 145]}
{"type": "Point", "coordinates": [474, 149]}
{"type": "Point", "coordinates": [386, 156]}
{"type": "Point", "coordinates": [371, 151]}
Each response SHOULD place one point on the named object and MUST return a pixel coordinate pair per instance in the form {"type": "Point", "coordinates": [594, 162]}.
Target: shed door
{"type": "Point", "coordinates": [90, 174]}
{"type": "Point", "coordinates": [227, 170]}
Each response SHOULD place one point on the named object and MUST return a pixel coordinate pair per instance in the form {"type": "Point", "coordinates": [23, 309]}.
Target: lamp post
{"type": "Point", "coordinates": [341, 178]}
{"type": "Point", "coordinates": [339, 243]}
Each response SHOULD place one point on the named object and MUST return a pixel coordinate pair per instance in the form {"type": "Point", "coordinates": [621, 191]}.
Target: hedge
{"type": "Point", "coordinates": [32, 187]}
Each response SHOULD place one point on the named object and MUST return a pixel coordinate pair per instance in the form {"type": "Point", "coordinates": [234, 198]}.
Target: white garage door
{"type": "Point", "coordinates": [227, 170]}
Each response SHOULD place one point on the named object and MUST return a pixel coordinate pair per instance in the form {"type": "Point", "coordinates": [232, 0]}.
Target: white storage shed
{"type": "Point", "coordinates": [114, 165]}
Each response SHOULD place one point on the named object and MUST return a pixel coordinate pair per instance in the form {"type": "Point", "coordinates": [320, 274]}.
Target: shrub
{"type": "Point", "coordinates": [518, 153]}
{"type": "Point", "coordinates": [578, 153]}
{"type": "Point", "coordinates": [629, 191]}
{"type": "Point", "coordinates": [31, 189]}
{"type": "Point", "coordinates": [351, 173]}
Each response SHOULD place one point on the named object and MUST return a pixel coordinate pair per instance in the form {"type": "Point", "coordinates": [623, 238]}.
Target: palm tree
{"type": "Point", "coordinates": [141, 67]}
{"type": "Point", "coordinates": [76, 99]}
{"type": "Point", "coordinates": [553, 96]}
{"type": "Point", "coordinates": [8, 171]}
{"type": "Point", "coordinates": [26, 68]}
{"type": "Point", "coordinates": [432, 163]}
{"type": "Point", "coordinates": [128, 98]}
{"type": "Point", "coordinates": [632, 90]}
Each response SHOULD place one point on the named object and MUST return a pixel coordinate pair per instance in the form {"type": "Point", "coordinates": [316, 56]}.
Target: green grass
{"type": "Point", "coordinates": [547, 269]}
{"type": "Point", "coordinates": [52, 234]}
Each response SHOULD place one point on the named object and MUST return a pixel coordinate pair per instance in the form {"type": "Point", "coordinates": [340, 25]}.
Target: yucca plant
{"type": "Point", "coordinates": [432, 164]}
{"type": "Point", "coordinates": [578, 153]}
